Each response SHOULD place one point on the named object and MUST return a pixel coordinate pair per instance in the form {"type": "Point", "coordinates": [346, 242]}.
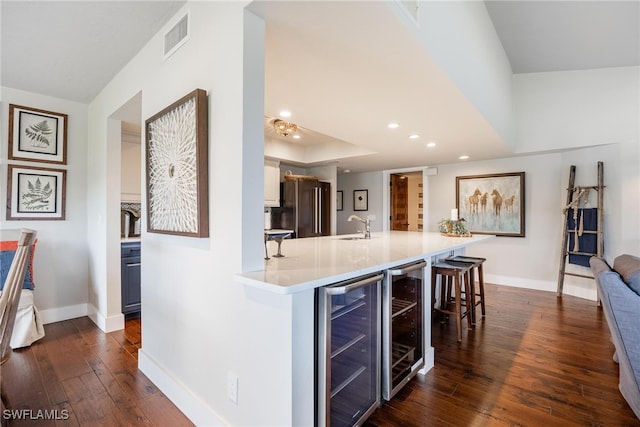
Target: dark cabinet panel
{"type": "Point", "coordinates": [131, 293]}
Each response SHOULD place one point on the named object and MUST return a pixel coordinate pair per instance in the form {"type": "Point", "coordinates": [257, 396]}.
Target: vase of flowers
{"type": "Point", "coordinates": [455, 228]}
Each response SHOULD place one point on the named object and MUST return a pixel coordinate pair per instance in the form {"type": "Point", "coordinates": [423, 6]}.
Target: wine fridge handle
{"type": "Point", "coordinates": [405, 270]}
{"type": "Point", "coordinates": [341, 290]}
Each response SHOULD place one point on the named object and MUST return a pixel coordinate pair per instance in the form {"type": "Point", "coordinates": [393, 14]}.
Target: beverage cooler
{"type": "Point", "coordinates": [402, 326]}
{"type": "Point", "coordinates": [348, 357]}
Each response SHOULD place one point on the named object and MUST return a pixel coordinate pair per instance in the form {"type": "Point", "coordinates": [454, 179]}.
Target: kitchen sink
{"type": "Point", "coordinates": [351, 238]}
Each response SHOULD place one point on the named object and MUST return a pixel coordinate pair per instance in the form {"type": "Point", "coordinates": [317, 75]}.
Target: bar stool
{"type": "Point", "coordinates": [476, 264]}
{"type": "Point", "coordinates": [454, 278]}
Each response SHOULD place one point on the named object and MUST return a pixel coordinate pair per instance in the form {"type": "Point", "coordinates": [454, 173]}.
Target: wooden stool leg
{"type": "Point", "coordinates": [471, 295]}
{"type": "Point", "coordinates": [481, 286]}
{"type": "Point", "coordinates": [464, 289]}
{"type": "Point", "coordinates": [458, 307]}
{"type": "Point", "coordinates": [434, 278]}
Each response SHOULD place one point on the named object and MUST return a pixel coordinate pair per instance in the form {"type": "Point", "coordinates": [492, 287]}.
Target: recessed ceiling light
{"type": "Point", "coordinates": [465, 157]}
{"type": "Point", "coordinates": [296, 136]}
{"type": "Point", "coordinates": [347, 171]}
{"type": "Point", "coordinates": [393, 125]}
{"type": "Point", "coordinates": [285, 113]}
{"type": "Point", "coordinates": [431, 144]}
{"type": "Point", "coordinates": [414, 136]}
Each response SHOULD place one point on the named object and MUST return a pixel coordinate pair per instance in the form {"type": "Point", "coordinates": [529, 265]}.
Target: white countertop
{"type": "Point", "coordinates": [276, 231]}
{"type": "Point", "coordinates": [318, 261]}
{"type": "Point", "coordinates": [129, 239]}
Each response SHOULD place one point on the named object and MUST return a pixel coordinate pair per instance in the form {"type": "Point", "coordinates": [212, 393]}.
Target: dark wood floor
{"type": "Point", "coordinates": [78, 372]}
{"type": "Point", "coordinates": [535, 360]}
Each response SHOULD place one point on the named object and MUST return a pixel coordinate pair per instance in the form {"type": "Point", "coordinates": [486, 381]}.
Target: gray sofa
{"type": "Point", "coordinates": [619, 292]}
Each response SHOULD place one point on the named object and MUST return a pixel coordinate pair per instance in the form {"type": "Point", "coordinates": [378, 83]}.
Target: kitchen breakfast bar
{"type": "Point", "coordinates": [312, 268]}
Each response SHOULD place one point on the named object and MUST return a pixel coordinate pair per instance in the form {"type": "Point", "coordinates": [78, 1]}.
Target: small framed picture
{"type": "Point", "coordinates": [35, 193]}
{"type": "Point", "coordinates": [37, 135]}
{"type": "Point", "coordinates": [339, 200]}
{"type": "Point", "coordinates": [360, 200]}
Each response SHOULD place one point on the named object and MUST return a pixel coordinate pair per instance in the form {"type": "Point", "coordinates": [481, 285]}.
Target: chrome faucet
{"type": "Point", "coordinates": [366, 222]}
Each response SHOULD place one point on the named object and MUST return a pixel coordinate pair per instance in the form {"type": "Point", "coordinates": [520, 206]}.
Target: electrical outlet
{"type": "Point", "coordinates": [232, 387]}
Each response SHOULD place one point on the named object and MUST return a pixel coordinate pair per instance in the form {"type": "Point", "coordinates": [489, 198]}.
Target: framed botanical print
{"type": "Point", "coordinates": [492, 204]}
{"type": "Point", "coordinates": [177, 166]}
{"type": "Point", "coordinates": [37, 135]}
{"type": "Point", "coordinates": [35, 193]}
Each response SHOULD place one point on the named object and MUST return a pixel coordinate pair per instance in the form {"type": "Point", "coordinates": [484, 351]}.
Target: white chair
{"type": "Point", "coordinates": [12, 290]}
{"type": "Point", "coordinates": [10, 298]}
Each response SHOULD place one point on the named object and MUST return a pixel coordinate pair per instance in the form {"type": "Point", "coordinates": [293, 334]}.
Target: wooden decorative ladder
{"type": "Point", "coordinates": [574, 194]}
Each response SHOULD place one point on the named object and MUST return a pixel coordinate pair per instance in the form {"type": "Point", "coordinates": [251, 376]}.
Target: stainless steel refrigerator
{"type": "Point", "coordinates": [306, 208]}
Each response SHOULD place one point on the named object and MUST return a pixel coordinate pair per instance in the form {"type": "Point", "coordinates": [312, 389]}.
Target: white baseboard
{"type": "Point", "coordinates": [587, 292]}
{"type": "Point", "coordinates": [106, 324]}
{"type": "Point", "coordinates": [197, 411]}
{"type": "Point", "coordinates": [429, 360]}
{"type": "Point", "coordinates": [59, 314]}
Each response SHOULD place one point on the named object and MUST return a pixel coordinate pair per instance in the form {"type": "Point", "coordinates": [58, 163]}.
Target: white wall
{"type": "Point", "coordinates": [199, 325]}
{"type": "Point", "coordinates": [370, 181]}
{"type": "Point", "coordinates": [533, 261]}
{"type": "Point", "coordinates": [60, 262]}
{"type": "Point", "coordinates": [461, 38]}
{"type": "Point", "coordinates": [569, 109]}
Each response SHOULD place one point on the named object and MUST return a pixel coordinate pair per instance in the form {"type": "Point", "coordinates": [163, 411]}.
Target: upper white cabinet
{"type": "Point", "coordinates": [271, 183]}
{"type": "Point", "coordinates": [130, 166]}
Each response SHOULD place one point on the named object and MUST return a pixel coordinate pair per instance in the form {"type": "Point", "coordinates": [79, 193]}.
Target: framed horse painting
{"type": "Point", "coordinates": [492, 204]}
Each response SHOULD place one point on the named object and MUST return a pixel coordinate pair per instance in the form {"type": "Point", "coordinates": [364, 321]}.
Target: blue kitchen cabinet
{"type": "Point", "coordinates": [131, 293]}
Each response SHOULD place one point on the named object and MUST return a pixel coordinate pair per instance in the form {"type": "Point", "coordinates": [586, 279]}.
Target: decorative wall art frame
{"type": "Point", "coordinates": [492, 204]}
{"type": "Point", "coordinates": [35, 193]}
{"type": "Point", "coordinates": [360, 200]}
{"type": "Point", "coordinates": [177, 168]}
{"type": "Point", "coordinates": [339, 200]}
{"type": "Point", "coordinates": [37, 135]}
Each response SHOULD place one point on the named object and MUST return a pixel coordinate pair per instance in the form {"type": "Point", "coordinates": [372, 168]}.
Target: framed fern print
{"type": "Point", "coordinates": [35, 193]}
{"type": "Point", "coordinates": [37, 135]}
{"type": "Point", "coordinates": [177, 168]}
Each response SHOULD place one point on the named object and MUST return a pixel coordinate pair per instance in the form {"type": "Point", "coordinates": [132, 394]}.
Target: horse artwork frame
{"type": "Point", "coordinates": [492, 203]}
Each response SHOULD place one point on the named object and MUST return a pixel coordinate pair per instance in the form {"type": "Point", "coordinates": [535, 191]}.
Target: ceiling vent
{"type": "Point", "coordinates": [176, 37]}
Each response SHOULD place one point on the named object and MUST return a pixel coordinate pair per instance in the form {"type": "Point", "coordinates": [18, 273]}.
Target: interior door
{"type": "Point", "coordinates": [399, 202]}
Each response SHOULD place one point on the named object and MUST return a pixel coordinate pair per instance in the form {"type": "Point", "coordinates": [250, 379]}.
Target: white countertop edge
{"type": "Point", "coordinates": [324, 281]}
{"type": "Point", "coordinates": [246, 279]}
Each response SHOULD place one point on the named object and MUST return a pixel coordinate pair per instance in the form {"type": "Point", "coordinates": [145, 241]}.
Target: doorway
{"type": "Point", "coordinates": [406, 201]}
{"type": "Point", "coordinates": [128, 205]}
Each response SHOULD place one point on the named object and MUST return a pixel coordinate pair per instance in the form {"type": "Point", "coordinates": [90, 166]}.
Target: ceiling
{"type": "Point", "coordinates": [346, 78]}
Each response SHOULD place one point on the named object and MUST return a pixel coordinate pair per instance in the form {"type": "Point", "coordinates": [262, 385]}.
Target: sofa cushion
{"type": "Point", "coordinates": [623, 307]}
{"type": "Point", "coordinates": [8, 250]}
{"type": "Point", "coordinates": [598, 265]}
{"type": "Point", "coordinates": [629, 268]}
{"type": "Point", "coordinates": [607, 282]}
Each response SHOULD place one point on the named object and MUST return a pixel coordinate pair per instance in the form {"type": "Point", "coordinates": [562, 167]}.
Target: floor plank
{"type": "Point", "coordinates": [534, 360]}
{"type": "Point", "coordinates": [84, 377]}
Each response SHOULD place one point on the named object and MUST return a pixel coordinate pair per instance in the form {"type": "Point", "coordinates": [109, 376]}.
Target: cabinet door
{"type": "Point", "coordinates": [130, 284]}
{"type": "Point", "coordinates": [271, 183]}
